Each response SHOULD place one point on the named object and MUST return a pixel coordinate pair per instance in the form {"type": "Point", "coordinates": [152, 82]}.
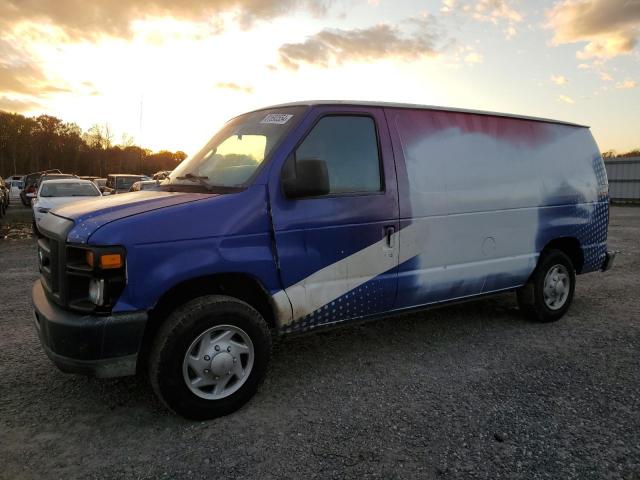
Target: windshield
{"type": "Point", "coordinates": [70, 189]}
{"type": "Point", "coordinates": [126, 182]}
{"type": "Point", "coordinates": [236, 152]}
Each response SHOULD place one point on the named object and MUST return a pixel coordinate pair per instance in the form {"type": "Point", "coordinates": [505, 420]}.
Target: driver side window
{"type": "Point", "coordinates": [349, 146]}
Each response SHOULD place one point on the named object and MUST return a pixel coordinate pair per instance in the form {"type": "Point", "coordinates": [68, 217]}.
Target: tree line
{"type": "Point", "coordinates": [32, 144]}
{"type": "Point", "coordinates": [614, 154]}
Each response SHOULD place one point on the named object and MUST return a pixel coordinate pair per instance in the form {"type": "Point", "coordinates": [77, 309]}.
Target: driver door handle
{"type": "Point", "coordinates": [388, 233]}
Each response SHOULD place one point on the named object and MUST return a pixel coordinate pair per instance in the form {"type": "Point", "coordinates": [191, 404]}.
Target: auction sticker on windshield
{"type": "Point", "coordinates": [278, 118]}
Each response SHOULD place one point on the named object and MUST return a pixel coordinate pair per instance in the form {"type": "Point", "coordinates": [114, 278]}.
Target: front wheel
{"type": "Point", "coordinates": [548, 294]}
{"type": "Point", "coordinates": [209, 357]}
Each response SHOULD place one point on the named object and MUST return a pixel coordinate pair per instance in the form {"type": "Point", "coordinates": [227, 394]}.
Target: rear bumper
{"type": "Point", "coordinates": [609, 259]}
{"type": "Point", "coordinates": [102, 346]}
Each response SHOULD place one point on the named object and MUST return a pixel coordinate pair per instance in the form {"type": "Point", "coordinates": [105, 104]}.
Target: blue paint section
{"type": "Point", "coordinates": [90, 215]}
{"type": "Point", "coordinates": [221, 234]}
{"type": "Point", "coordinates": [303, 252]}
{"type": "Point", "coordinates": [313, 233]}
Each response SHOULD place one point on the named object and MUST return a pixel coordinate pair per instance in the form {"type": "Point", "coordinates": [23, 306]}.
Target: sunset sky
{"type": "Point", "coordinates": [170, 73]}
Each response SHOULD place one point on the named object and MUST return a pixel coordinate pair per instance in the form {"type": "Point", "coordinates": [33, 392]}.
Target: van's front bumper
{"type": "Point", "coordinates": [102, 346]}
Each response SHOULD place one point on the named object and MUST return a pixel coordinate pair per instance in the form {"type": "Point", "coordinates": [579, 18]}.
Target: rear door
{"type": "Point", "coordinates": [338, 253]}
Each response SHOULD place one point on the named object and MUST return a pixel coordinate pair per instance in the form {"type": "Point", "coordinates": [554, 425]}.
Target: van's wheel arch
{"type": "Point", "coordinates": [548, 294]}
{"type": "Point", "coordinates": [187, 369]}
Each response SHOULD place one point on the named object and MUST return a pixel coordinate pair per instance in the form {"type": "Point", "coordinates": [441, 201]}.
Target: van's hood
{"type": "Point", "coordinates": [94, 213]}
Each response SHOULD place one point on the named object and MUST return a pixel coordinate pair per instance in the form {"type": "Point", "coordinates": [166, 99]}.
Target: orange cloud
{"type": "Point", "coordinates": [234, 86]}
{"type": "Point", "coordinates": [627, 84]}
{"type": "Point", "coordinates": [92, 19]}
{"type": "Point", "coordinates": [382, 41]}
{"type": "Point", "coordinates": [610, 27]}
{"type": "Point", "coordinates": [17, 106]}
{"type": "Point", "coordinates": [19, 75]}
{"type": "Point", "coordinates": [559, 79]}
{"type": "Point", "coordinates": [494, 11]}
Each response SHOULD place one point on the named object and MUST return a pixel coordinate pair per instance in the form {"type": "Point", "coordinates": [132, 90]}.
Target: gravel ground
{"type": "Point", "coordinates": [467, 391]}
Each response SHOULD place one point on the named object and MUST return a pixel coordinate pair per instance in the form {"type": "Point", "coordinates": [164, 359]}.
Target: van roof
{"type": "Point", "coordinates": [361, 103]}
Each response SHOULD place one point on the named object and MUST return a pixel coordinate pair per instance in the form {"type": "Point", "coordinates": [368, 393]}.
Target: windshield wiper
{"type": "Point", "coordinates": [202, 180]}
{"type": "Point", "coordinates": [195, 178]}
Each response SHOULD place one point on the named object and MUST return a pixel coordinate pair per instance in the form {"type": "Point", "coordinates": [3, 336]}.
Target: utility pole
{"type": "Point", "coordinates": [140, 136]}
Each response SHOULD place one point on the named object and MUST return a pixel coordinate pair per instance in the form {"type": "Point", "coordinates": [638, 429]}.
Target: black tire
{"type": "Point", "coordinates": [34, 227]}
{"type": "Point", "coordinates": [178, 332]}
{"type": "Point", "coordinates": [531, 298]}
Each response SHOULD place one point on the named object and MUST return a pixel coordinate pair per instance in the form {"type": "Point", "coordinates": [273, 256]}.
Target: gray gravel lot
{"type": "Point", "coordinates": [467, 391]}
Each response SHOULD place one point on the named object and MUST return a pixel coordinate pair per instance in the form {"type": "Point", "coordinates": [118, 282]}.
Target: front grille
{"type": "Point", "coordinates": [51, 255]}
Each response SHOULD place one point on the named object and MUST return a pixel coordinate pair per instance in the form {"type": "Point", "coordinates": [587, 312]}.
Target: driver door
{"type": "Point", "coordinates": [338, 252]}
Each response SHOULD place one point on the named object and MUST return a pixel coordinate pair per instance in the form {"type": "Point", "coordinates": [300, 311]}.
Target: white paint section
{"type": "Point", "coordinates": [282, 308]}
{"type": "Point", "coordinates": [467, 187]}
{"type": "Point", "coordinates": [450, 247]}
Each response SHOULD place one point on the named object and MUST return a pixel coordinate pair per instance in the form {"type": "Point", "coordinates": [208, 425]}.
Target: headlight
{"type": "Point", "coordinates": [43, 210]}
{"type": "Point", "coordinates": [96, 276]}
{"type": "Point", "coordinates": [96, 291]}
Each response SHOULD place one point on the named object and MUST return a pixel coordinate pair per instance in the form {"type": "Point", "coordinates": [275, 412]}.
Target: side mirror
{"type": "Point", "coordinates": [311, 179]}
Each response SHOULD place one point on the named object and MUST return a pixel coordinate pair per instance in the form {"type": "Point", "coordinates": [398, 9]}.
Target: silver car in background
{"type": "Point", "coordinates": [55, 193]}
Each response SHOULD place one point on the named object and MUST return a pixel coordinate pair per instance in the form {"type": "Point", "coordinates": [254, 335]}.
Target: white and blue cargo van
{"type": "Point", "coordinates": [309, 214]}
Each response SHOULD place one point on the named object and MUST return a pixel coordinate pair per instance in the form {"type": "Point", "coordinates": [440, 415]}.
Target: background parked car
{"type": "Point", "coordinates": [54, 176]}
{"type": "Point", "coordinates": [162, 174]}
{"type": "Point", "coordinates": [31, 185]}
{"type": "Point", "coordinates": [100, 183]}
{"type": "Point", "coordinates": [15, 187]}
{"type": "Point", "coordinates": [55, 193]}
{"type": "Point", "coordinates": [121, 183]}
{"type": "Point", "coordinates": [145, 185]}
{"type": "Point", "coordinates": [4, 197]}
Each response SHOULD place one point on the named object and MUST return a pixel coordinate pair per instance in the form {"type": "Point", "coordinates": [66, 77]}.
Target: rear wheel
{"type": "Point", "coordinates": [209, 357]}
{"type": "Point", "coordinates": [549, 292]}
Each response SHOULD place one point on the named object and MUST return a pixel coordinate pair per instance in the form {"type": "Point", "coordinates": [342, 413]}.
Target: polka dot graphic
{"type": "Point", "coordinates": [594, 221]}
{"type": "Point", "coordinates": [367, 299]}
